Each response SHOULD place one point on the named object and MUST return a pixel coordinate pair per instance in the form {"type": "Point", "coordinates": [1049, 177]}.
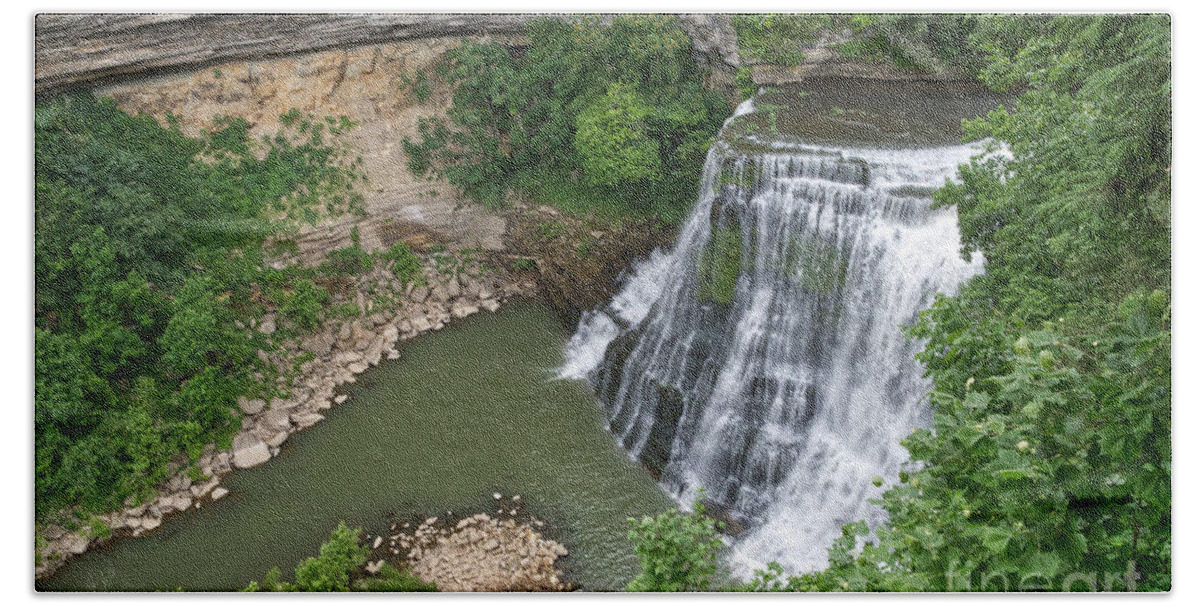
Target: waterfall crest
{"type": "Point", "coordinates": [762, 359]}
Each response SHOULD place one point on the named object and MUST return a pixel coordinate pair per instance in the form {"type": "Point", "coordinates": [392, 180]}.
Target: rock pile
{"type": "Point", "coordinates": [481, 553]}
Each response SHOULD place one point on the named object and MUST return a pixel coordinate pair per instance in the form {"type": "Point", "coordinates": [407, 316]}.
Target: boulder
{"type": "Point", "coordinates": [201, 489]}
{"type": "Point", "coordinates": [420, 323]}
{"type": "Point", "coordinates": [438, 294]}
{"type": "Point", "coordinates": [268, 324]}
{"type": "Point", "coordinates": [419, 294]}
{"type": "Point", "coordinates": [219, 493]}
{"type": "Point", "coordinates": [74, 543]}
{"type": "Point", "coordinates": [180, 501]}
{"type": "Point", "coordinates": [346, 357]}
{"type": "Point", "coordinates": [283, 404]}
{"type": "Point", "coordinates": [277, 419]}
{"type": "Point", "coordinates": [249, 451]}
{"type": "Point", "coordinates": [318, 344]}
{"type": "Point", "coordinates": [277, 439]}
{"type": "Point", "coordinates": [375, 350]}
{"type": "Point", "coordinates": [306, 420]}
{"type": "Point", "coordinates": [462, 308]}
{"type": "Point", "coordinates": [251, 406]}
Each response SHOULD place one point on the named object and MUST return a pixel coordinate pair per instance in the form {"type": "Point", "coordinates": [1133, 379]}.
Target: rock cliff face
{"type": "Point", "coordinates": [370, 84]}
{"type": "Point", "coordinates": [84, 51]}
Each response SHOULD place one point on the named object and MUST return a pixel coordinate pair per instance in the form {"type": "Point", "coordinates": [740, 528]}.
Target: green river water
{"type": "Point", "coordinates": [466, 411]}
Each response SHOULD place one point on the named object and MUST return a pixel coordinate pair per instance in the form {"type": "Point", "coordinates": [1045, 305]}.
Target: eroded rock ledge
{"type": "Point", "coordinates": [84, 51]}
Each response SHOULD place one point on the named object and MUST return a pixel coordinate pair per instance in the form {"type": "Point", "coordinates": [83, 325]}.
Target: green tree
{"type": "Point", "coordinates": [532, 122]}
{"type": "Point", "coordinates": [341, 556]}
{"type": "Point", "coordinates": [611, 139]}
{"type": "Point", "coordinates": [678, 551]}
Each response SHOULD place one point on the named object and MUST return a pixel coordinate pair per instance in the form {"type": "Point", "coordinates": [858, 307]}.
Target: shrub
{"type": "Point", "coordinates": [678, 551]}
{"type": "Point", "coordinates": [304, 303]}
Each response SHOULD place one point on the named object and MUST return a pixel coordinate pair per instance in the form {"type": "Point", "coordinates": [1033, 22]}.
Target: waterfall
{"type": "Point", "coordinates": [762, 359]}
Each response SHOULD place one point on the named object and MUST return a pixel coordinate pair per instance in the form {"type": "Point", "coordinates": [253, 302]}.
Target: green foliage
{"type": "Point", "coordinates": [350, 260]}
{"type": "Point", "coordinates": [744, 81]}
{"type": "Point", "coordinates": [952, 43]}
{"type": "Point", "coordinates": [303, 303]}
{"type": "Point", "coordinates": [523, 264]}
{"type": "Point", "coordinates": [419, 86]}
{"type": "Point", "coordinates": [720, 266]}
{"type": "Point", "coordinates": [147, 253]}
{"type": "Point", "coordinates": [406, 266]}
{"type": "Point", "coordinates": [778, 38]}
{"type": "Point", "coordinates": [611, 139]}
{"type": "Point", "coordinates": [340, 558]}
{"type": "Point", "coordinates": [520, 120]}
{"type": "Point", "coordinates": [1048, 465]}
{"type": "Point", "coordinates": [678, 551]}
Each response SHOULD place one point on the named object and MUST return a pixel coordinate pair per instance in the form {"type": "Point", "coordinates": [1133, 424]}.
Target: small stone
{"type": "Point", "coordinates": [219, 493]}
{"type": "Point", "coordinates": [340, 399]}
{"type": "Point", "coordinates": [268, 325]}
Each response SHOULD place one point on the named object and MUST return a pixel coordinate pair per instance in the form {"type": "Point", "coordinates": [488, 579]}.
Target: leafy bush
{"type": "Point", "coordinates": [342, 556]}
{"type": "Point", "coordinates": [611, 139]}
{"type": "Point", "coordinates": [406, 266]}
{"type": "Point", "coordinates": [678, 551]}
{"type": "Point", "coordinates": [775, 38]}
{"type": "Point", "coordinates": [304, 303]}
{"type": "Point", "coordinates": [348, 260]}
{"type": "Point", "coordinates": [330, 570]}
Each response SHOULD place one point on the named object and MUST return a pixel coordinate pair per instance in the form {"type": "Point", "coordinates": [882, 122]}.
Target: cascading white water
{"type": "Point", "coordinates": [763, 359]}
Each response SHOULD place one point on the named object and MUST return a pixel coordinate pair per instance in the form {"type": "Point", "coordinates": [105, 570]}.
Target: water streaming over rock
{"type": "Point", "coordinates": [762, 359]}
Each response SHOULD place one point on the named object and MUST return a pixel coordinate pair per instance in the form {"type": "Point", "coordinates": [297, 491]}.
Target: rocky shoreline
{"type": "Point", "coordinates": [336, 353]}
